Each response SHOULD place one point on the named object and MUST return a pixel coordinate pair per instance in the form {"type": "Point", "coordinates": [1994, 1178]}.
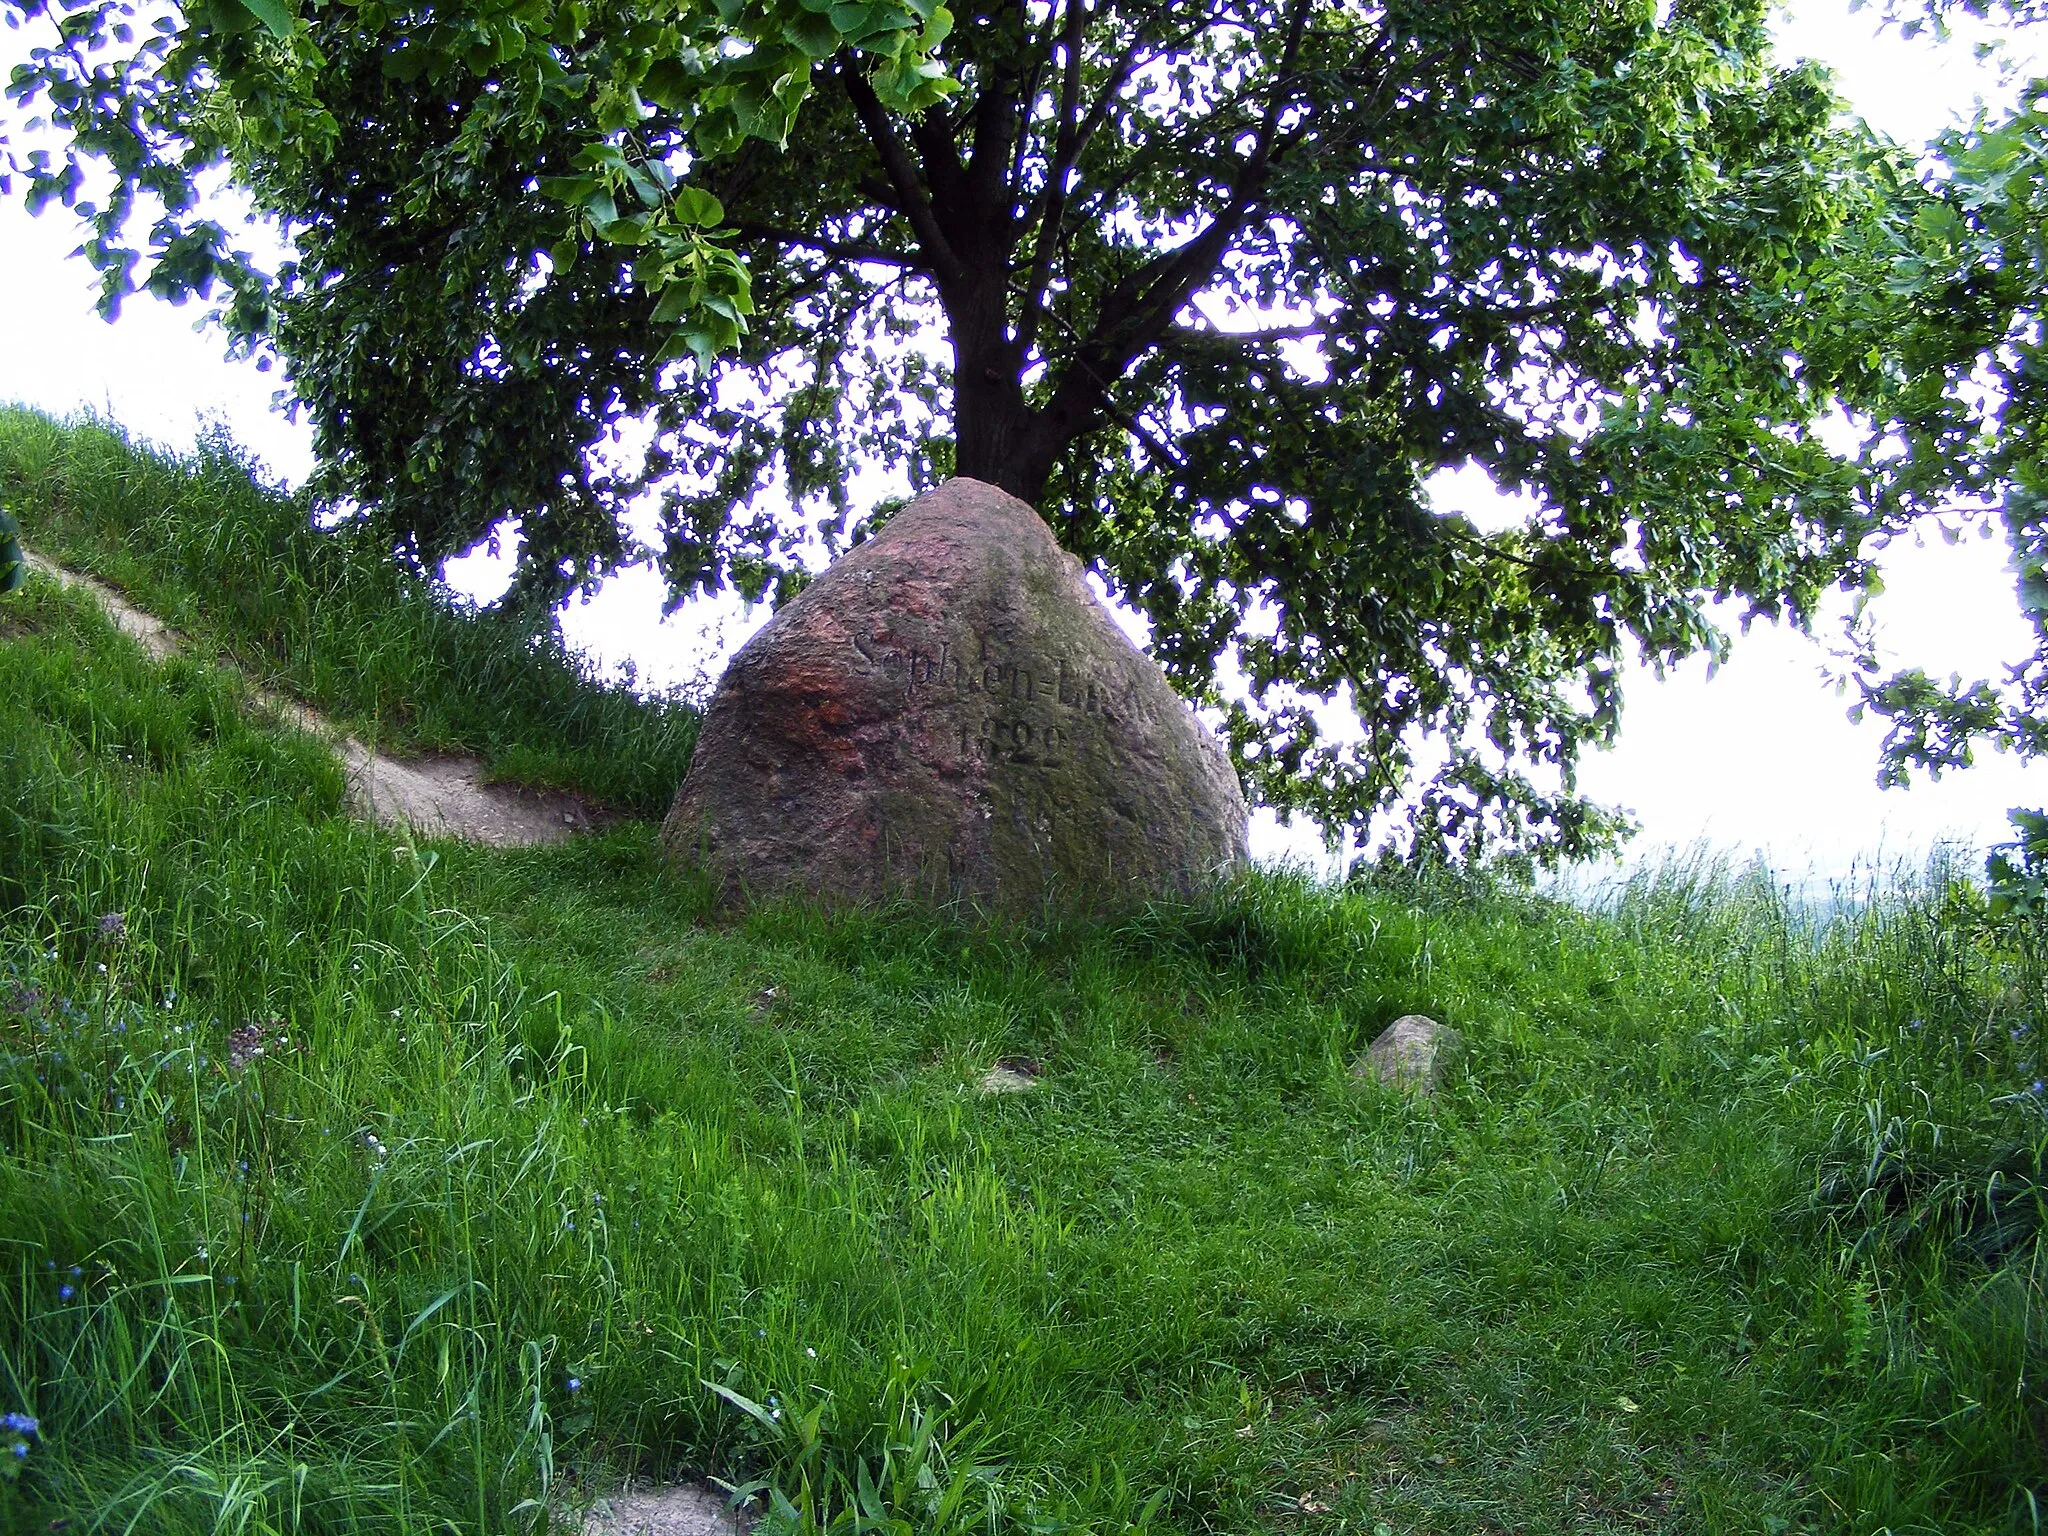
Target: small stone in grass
{"type": "Point", "coordinates": [1011, 1074]}
{"type": "Point", "coordinates": [1410, 1053]}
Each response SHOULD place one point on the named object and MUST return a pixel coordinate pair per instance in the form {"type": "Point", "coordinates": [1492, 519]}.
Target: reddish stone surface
{"type": "Point", "coordinates": [947, 712]}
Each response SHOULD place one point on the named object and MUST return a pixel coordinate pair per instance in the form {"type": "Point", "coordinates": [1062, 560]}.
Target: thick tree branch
{"type": "Point", "coordinates": [1000, 111]}
{"type": "Point", "coordinates": [1151, 441]}
{"type": "Point", "coordinates": [1057, 174]}
{"type": "Point", "coordinates": [1183, 335]}
{"type": "Point", "coordinates": [843, 250]}
{"type": "Point", "coordinates": [944, 263]}
{"type": "Point", "coordinates": [1137, 312]}
{"type": "Point", "coordinates": [1198, 257]}
{"type": "Point", "coordinates": [944, 171]}
{"type": "Point", "coordinates": [1050, 208]}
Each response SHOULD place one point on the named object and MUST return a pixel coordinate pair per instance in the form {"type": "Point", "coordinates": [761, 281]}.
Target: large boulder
{"type": "Point", "coordinates": [948, 712]}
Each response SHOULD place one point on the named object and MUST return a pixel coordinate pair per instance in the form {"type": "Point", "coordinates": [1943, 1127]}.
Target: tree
{"type": "Point", "coordinates": [1217, 284]}
{"type": "Point", "coordinates": [1947, 288]}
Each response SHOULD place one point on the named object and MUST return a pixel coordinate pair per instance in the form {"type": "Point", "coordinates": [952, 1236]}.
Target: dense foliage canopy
{"type": "Point", "coordinates": [1962, 298]}
{"type": "Point", "coordinates": [1218, 284]}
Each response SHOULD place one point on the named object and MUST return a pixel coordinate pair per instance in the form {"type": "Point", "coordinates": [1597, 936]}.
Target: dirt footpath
{"type": "Point", "coordinates": [434, 796]}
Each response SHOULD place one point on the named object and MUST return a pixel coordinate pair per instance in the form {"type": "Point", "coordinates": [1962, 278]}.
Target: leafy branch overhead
{"type": "Point", "coordinates": [1962, 292]}
{"type": "Point", "coordinates": [245, 82]}
{"type": "Point", "coordinates": [1219, 285]}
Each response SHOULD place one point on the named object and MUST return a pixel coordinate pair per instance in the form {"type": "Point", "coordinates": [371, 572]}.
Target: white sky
{"type": "Point", "coordinates": [1760, 757]}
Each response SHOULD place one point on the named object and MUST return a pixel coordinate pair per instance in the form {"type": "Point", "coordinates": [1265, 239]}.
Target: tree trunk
{"type": "Point", "coordinates": [994, 431]}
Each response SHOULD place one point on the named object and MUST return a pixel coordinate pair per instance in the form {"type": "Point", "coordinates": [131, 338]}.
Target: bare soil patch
{"type": "Point", "coordinates": [434, 796]}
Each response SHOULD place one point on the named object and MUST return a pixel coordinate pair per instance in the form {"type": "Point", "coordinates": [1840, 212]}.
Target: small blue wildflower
{"type": "Point", "coordinates": [20, 1449]}
{"type": "Point", "coordinates": [76, 1271]}
{"type": "Point", "coordinates": [63, 1293]}
{"type": "Point", "coordinates": [20, 1423]}
{"type": "Point", "coordinates": [575, 1384]}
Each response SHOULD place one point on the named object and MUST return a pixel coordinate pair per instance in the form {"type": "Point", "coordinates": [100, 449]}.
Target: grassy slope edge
{"type": "Point", "coordinates": [348, 1185]}
{"type": "Point", "coordinates": [237, 566]}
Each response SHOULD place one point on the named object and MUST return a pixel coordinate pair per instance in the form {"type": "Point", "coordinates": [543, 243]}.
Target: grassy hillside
{"type": "Point", "coordinates": [348, 1185]}
{"type": "Point", "coordinates": [237, 567]}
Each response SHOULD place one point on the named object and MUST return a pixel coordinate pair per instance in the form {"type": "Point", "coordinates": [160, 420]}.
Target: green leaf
{"type": "Point", "coordinates": [406, 64]}
{"type": "Point", "coordinates": [813, 34]}
{"type": "Point", "coordinates": [857, 23]}
{"type": "Point", "coordinates": [571, 191]}
{"type": "Point", "coordinates": [229, 18]}
{"type": "Point", "coordinates": [669, 84]}
{"type": "Point", "coordinates": [274, 14]}
{"type": "Point", "coordinates": [674, 304]}
{"type": "Point", "coordinates": [622, 231]}
{"type": "Point", "coordinates": [644, 186]}
{"type": "Point", "coordinates": [601, 157]}
{"type": "Point", "coordinates": [694, 207]}
{"type": "Point", "coordinates": [746, 1405]}
{"type": "Point", "coordinates": [618, 108]}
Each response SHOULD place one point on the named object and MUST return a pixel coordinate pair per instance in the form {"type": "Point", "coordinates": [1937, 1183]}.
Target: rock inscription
{"type": "Point", "coordinates": [1020, 703]}
{"type": "Point", "coordinates": [949, 711]}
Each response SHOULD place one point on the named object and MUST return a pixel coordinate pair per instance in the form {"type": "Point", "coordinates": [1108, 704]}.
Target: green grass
{"type": "Point", "coordinates": [237, 566]}
{"type": "Point", "coordinates": [1727, 1221]}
